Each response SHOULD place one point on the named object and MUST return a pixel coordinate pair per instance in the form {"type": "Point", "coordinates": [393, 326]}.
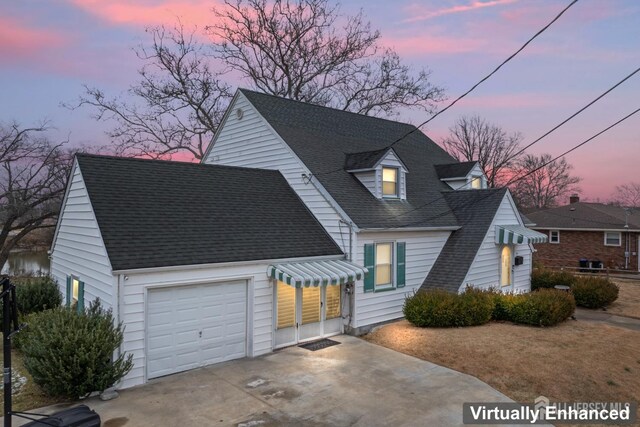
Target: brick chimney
{"type": "Point", "coordinates": [574, 198]}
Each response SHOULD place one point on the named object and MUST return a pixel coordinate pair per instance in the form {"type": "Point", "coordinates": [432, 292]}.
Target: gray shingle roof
{"type": "Point", "coordinates": [454, 170]}
{"type": "Point", "coordinates": [583, 215]}
{"type": "Point", "coordinates": [459, 251]}
{"type": "Point", "coordinates": [158, 213]}
{"type": "Point", "coordinates": [365, 160]}
{"type": "Point", "coordinates": [323, 137]}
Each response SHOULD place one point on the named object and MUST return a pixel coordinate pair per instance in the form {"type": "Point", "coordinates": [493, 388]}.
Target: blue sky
{"type": "Point", "coordinates": [48, 50]}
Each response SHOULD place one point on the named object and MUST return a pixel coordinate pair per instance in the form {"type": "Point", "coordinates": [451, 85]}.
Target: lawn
{"type": "Point", "coordinates": [574, 361]}
{"type": "Point", "coordinates": [29, 396]}
{"type": "Point", "coordinates": [628, 302]}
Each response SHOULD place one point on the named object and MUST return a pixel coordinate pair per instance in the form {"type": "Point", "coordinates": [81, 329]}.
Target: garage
{"type": "Point", "coordinates": [193, 326]}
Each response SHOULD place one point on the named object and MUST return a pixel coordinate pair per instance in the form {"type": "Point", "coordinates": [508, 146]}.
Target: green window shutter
{"type": "Point", "coordinates": [370, 264]}
{"type": "Point", "coordinates": [80, 297]}
{"type": "Point", "coordinates": [68, 291]}
{"type": "Point", "coordinates": [401, 264]}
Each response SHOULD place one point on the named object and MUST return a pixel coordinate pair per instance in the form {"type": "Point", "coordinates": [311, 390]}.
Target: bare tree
{"type": "Point", "coordinates": [544, 183]}
{"type": "Point", "coordinates": [628, 195]}
{"type": "Point", "coordinates": [33, 174]}
{"type": "Point", "coordinates": [179, 100]}
{"type": "Point", "coordinates": [473, 138]}
{"type": "Point", "coordinates": [307, 51]}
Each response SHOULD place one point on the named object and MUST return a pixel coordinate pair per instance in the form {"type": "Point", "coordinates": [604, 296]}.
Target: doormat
{"type": "Point", "coordinates": [319, 345]}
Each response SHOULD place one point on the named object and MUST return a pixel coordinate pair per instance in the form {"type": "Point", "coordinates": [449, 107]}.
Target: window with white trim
{"type": "Point", "coordinates": [612, 238]}
{"type": "Point", "coordinates": [554, 236]}
{"type": "Point", "coordinates": [476, 182]}
{"type": "Point", "coordinates": [384, 265]}
{"type": "Point", "coordinates": [390, 182]}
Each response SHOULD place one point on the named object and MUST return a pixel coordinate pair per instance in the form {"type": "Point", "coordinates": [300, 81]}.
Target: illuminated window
{"type": "Point", "coordinates": [476, 182]}
{"type": "Point", "coordinates": [390, 182]}
{"type": "Point", "coordinates": [505, 266]}
{"type": "Point", "coordinates": [384, 264]}
{"type": "Point", "coordinates": [286, 306]}
{"type": "Point", "coordinates": [75, 290]}
{"type": "Point", "coordinates": [332, 305]}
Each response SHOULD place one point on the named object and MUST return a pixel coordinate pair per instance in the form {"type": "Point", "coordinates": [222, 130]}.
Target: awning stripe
{"type": "Point", "coordinates": [517, 235]}
{"type": "Point", "coordinates": [316, 273]}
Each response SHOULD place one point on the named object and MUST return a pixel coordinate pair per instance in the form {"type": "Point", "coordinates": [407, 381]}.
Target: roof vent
{"type": "Point", "coordinates": [239, 113]}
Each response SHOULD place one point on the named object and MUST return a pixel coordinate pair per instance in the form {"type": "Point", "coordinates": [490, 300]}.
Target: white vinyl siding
{"type": "Point", "coordinates": [251, 142]}
{"type": "Point", "coordinates": [370, 180]}
{"type": "Point", "coordinates": [78, 249]}
{"type": "Point", "coordinates": [422, 249]}
{"type": "Point", "coordinates": [136, 286]}
{"type": "Point", "coordinates": [485, 269]}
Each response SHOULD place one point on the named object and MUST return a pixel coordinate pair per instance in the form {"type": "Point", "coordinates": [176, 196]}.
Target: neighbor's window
{"type": "Point", "coordinates": [554, 236]}
{"type": "Point", "coordinates": [612, 238]}
{"type": "Point", "coordinates": [476, 182]}
{"type": "Point", "coordinates": [390, 182]}
{"type": "Point", "coordinates": [384, 265]}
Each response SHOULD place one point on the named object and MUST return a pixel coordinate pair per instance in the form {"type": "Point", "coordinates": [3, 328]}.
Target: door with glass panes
{"type": "Point", "coordinates": [304, 314]}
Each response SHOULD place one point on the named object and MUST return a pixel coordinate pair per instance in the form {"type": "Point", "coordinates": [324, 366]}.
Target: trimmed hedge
{"type": "Point", "coordinates": [437, 308]}
{"type": "Point", "coordinates": [544, 307]}
{"type": "Point", "coordinates": [71, 354]}
{"type": "Point", "coordinates": [594, 292]}
{"type": "Point", "coordinates": [548, 279]}
{"type": "Point", "coordinates": [442, 309]}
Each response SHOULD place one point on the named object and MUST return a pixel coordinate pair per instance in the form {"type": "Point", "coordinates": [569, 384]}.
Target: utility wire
{"type": "Point", "coordinates": [513, 55]}
{"type": "Point", "coordinates": [487, 76]}
{"type": "Point", "coordinates": [512, 181]}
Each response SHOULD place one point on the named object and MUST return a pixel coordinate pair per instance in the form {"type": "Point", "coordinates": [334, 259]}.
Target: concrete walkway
{"type": "Point", "coordinates": [355, 383]}
{"type": "Point", "coordinates": [602, 316]}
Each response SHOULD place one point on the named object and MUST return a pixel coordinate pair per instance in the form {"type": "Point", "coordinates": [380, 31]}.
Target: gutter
{"type": "Point", "coordinates": [444, 228]}
{"type": "Point", "coordinates": [224, 264]}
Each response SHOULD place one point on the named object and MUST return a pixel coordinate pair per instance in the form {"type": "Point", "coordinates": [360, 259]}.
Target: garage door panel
{"type": "Point", "coordinates": [192, 326]}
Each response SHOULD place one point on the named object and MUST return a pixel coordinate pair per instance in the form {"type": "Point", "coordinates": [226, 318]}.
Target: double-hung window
{"type": "Point", "coordinates": [390, 182]}
{"type": "Point", "coordinates": [554, 236]}
{"type": "Point", "coordinates": [386, 265]}
{"type": "Point", "coordinates": [612, 238]}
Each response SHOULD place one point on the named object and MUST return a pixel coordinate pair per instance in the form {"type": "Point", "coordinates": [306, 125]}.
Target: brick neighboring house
{"type": "Point", "coordinates": [592, 231]}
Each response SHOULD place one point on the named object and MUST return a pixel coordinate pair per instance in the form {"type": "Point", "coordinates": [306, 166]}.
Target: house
{"type": "Point", "coordinates": [302, 222]}
{"type": "Point", "coordinates": [602, 236]}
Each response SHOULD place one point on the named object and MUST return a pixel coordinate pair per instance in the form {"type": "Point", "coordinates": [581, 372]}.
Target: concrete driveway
{"type": "Point", "coordinates": [355, 383]}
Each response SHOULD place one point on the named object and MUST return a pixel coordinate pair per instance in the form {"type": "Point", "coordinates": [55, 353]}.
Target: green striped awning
{"type": "Point", "coordinates": [517, 234]}
{"type": "Point", "coordinates": [316, 273]}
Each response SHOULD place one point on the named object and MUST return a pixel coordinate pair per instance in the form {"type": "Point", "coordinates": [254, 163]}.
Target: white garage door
{"type": "Point", "coordinates": [192, 326]}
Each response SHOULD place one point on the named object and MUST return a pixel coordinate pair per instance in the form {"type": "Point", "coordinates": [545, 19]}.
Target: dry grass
{"type": "Point", "coordinates": [30, 396]}
{"type": "Point", "coordinates": [628, 302]}
{"type": "Point", "coordinates": [575, 361]}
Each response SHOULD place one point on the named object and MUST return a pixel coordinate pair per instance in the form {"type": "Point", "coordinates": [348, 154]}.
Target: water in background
{"type": "Point", "coordinates": [27, 263]}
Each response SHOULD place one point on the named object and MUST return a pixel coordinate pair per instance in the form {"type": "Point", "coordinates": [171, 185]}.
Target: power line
{"type": "Point", "coordinates": [573, 115]}
{"type": "Point", "coordinates": [488, 75]}
{"type": "Point", "coordinates": [512, 181]}
{"type": "Point", "coordinates": [513, 55]}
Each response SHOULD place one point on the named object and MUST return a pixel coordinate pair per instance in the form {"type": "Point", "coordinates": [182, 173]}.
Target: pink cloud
{"type": "Point", "coordinates": [423, 13]}
{"type": "Point", "coordinates": [150, 12]}
{"type": "Point", "coordinates": [429, 44]}
{"type": "Point", "coordinates": [18, 41]}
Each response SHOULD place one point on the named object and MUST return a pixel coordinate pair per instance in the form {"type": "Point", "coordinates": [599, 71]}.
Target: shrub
{"type": "Point", "coordinates": [594, 292]}
{"type": "Point", "coordinates": [503, 305]}
{"type": "Point", "coordinates": [37, 294]}
{"type": "Point", "coordinates": [438, 308]}
{"type": "Point", "coordinates": [544, 307]}
{"type": "Point", "coordinates": [71, 354]}
{"type": "Point", "coordinates": [543, 278]}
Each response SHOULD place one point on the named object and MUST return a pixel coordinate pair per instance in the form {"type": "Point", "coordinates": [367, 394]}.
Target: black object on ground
{"type": "Point", "coordinates": [319, 345]}
{"type": "Point", "coordinates": [78, 416]}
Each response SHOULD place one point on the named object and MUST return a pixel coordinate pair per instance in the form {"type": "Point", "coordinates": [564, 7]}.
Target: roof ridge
{"type": "Point", "coordinates": [172, 162]}
{"type": "Point", "coordinates": [330, 108]}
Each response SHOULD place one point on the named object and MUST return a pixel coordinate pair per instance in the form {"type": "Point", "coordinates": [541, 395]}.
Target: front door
{"type": "Point", "coordinates": [306, 314]}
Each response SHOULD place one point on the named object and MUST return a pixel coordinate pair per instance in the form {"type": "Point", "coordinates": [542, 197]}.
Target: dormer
{"type": "Point", "coordinates": [381, 172]}
{"type": "Point", "coordinates": [462, 175]}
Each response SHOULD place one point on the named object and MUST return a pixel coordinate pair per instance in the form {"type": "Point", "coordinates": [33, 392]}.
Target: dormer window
{"type": "Point", "coordinates": [476, 182]}
{"type": "Point", "coordinates": [389, 182]}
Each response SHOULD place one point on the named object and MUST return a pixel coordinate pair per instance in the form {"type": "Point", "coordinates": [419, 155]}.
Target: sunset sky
{"type": "Point", "coordinates": [49, 49]}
